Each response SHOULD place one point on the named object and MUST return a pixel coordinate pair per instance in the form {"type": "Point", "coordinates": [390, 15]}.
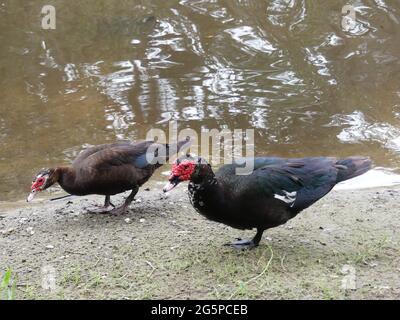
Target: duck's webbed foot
{"type": "Point", "coordinates": [124, 208]}
{"type": "Point", "coordinates": [119, 210]}
{"type": "Point", "coordinates": [247, 244]}
{"type": "Point", "coordinates": [108, 207]}
{"type": "Point", "coordinates": [242, 244]}
{"type": "Point", "coordinates": [104, 209]}
{"type": "Point", "coordinates": [108, 203]}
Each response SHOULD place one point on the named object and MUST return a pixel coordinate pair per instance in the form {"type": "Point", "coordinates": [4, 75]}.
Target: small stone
{"type": "Point", "coordinates": [128, 220]}
{"type": "Point", "coordinates": [142, 220]}
{"type": "Point", "coordinates": [138, 200]}
{"type": "Point", "coordinates": [30, 231]}
{"type": "Point", "coordinates": [49, 246]}
{"type": "Point", "coordinates": [7, 231]}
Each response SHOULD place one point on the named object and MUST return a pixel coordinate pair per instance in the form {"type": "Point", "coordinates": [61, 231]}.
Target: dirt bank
{"type": "Point", "coordinates": [346, 246]}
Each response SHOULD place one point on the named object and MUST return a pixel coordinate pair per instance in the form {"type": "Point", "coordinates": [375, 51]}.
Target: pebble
{"type": "Point", "coordinates": [142, 220]}
{"type": "Point", "coordinates": [8, 231]}
{"type": "Point", "coordinates": [49, 246]}
{"type": "Point", "coordinates": [30, 231]}
{"type": "Point", "coordinates": [127, 220]}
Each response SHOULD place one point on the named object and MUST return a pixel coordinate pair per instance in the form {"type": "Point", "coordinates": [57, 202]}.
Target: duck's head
{"type": "Point", "coordinates": [187, 168]}
{"type": "Point", "coordinates": [44, 179]}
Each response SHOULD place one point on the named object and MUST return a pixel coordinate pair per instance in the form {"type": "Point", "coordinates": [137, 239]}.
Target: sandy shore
{"type": "Point", "coordinates": [347, 246]}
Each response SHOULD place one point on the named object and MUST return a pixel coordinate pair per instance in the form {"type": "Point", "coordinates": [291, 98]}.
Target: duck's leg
{"type": "Point", "coordinates": [248, 244]}
{"type": "Point", "coordinates": [127, 202]}
{"type": "Point", "coordinates": [108, 203]}
{"type": "Point", "coordinates": [108, 206]}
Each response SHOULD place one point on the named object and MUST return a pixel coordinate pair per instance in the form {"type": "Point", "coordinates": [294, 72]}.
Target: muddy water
{"type": "Point", "coordinates": [307, 79]}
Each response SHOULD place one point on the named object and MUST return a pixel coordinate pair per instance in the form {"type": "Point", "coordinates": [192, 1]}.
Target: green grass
{"type": "Point", "coordinates": [7, 286]}
{"type": "Point", "coordinates": [370, 251]}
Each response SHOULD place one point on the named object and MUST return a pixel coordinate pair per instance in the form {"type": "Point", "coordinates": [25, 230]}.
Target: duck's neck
{"type": "Point", "coordinates": [205, 194]}
{"type": "Point", "coordinates": [66, 178]}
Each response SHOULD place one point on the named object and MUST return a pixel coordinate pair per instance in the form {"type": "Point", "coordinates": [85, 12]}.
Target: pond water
{"type": "Point", "coordinates": [306, 79]}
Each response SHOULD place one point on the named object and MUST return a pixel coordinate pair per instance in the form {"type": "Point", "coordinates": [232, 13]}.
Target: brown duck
{"type": "Point", "coordinates": [108, 169]}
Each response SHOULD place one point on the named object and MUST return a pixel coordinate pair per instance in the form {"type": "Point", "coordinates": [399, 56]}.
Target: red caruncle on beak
{"type": "Point", "coordinates": [37, 184]}
{"type": "Point", "coordinates": [183, 170]}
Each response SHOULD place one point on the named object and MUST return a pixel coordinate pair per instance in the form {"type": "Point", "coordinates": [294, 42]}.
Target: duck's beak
{"type": "Point", "coordinates": [173, 182]}
{"type": "Point", "coordinates": [31, 196]}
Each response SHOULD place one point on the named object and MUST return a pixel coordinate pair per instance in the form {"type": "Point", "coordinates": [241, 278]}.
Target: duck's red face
{"type": "Point", "coordinates": [181, 171]}
{"type": "Point", "coordinates": [39, 183]}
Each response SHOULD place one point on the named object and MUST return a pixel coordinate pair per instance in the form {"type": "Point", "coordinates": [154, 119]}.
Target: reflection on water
{"type": "Point", "coordinates": [377, 177]}
{"type": "Point", "coordinates": [114, 69]}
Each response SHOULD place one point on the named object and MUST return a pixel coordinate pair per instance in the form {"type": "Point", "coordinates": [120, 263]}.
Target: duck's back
{"type": "Point", "coordinates": [113, 168]}
{"type": "Point", "coordinates": [278, 188]}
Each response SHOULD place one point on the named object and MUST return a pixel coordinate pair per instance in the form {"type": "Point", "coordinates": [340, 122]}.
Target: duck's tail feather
{"type": "Point", "coordinates": [352, 167]}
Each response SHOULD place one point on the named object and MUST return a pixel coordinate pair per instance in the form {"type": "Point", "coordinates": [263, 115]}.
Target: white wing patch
{"type": "Point", "coordinates": [288, 197]}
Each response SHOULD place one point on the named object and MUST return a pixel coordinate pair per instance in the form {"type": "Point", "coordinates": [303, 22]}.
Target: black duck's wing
{"type": "Point", "coordinates": [297, 183]}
